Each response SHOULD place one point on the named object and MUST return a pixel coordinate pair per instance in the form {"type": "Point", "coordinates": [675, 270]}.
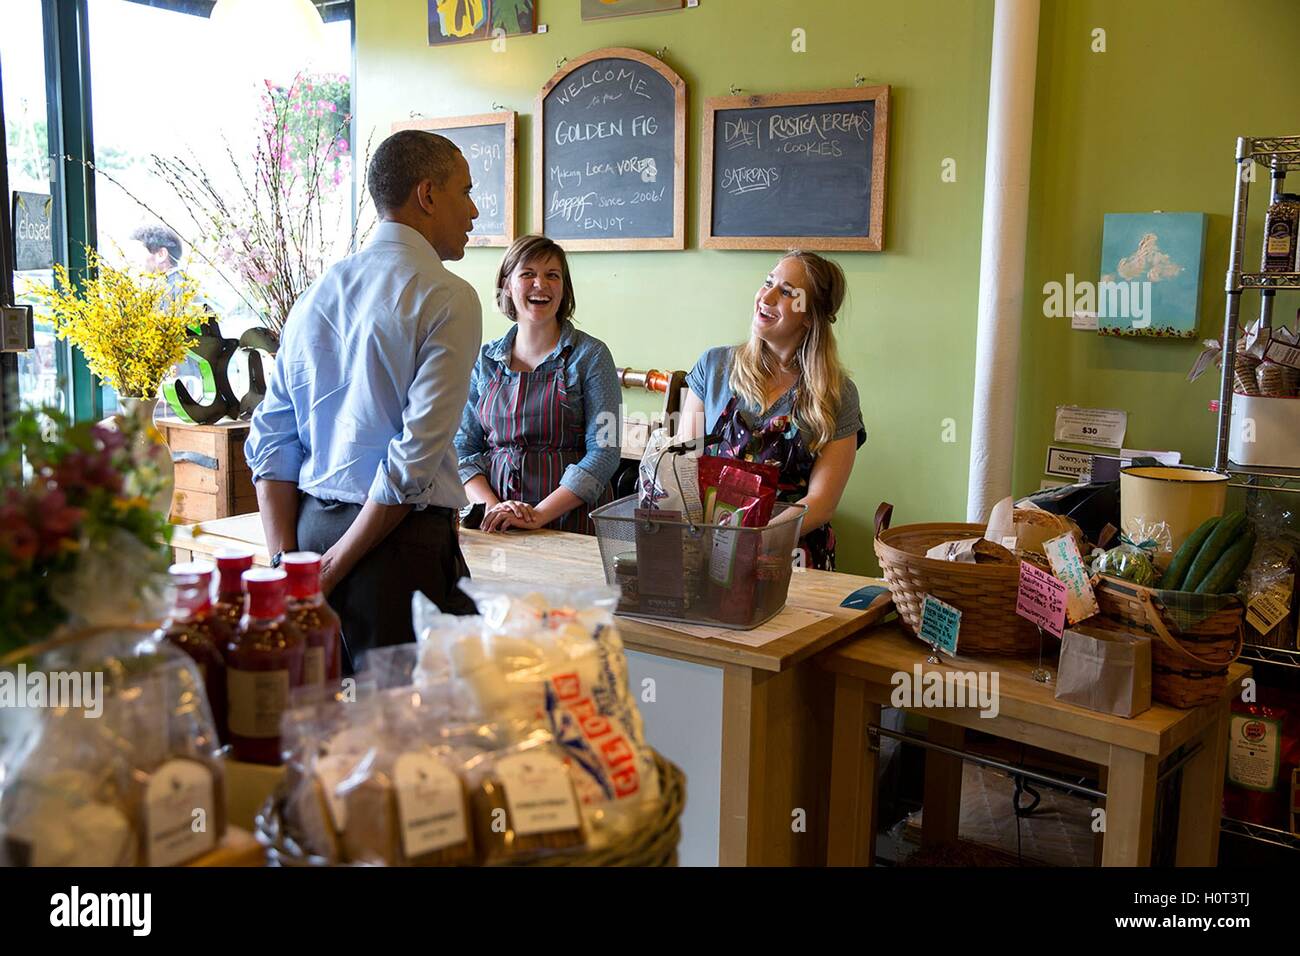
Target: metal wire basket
{"type": "Point", "coordinates": [712, 574]}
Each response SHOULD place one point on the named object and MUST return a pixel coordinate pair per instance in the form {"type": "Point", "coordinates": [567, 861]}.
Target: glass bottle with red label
{"type": "Point", "coordinates": [316, 619]}
{"type": "Point", "coordinates": [194, 628]}
{"type": "Point", "coordinates": [231, 564]}
{"type": "Point", "coordinates": [264, 662]}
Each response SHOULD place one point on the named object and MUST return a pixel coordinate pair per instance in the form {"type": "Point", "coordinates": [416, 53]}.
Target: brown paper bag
{"type": "Point", "coordinates": [1105, 671]}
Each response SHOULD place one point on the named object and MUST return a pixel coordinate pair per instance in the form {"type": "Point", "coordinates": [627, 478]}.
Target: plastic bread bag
{"type": "Point", "coordinates": [389, 667]}
{"type": "Point", "coordinates": [406, 802]}
{"type": "Point", "coordinates": [555, 660]}
{"type": "Point", "coordinates": [523, 801]}
{"type": "Point", "coordinates": [668, 479]}
{"type": "Point", "coordinates": [326, 732]}
{"type": "Point", "coordinates": [1268, 583]}
{"type": "Point", "coordinates": [134, 770]}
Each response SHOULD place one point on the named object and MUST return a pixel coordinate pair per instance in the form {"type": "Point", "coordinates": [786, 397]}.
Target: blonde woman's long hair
{"type": "Point", "coordinates": [817, 397]}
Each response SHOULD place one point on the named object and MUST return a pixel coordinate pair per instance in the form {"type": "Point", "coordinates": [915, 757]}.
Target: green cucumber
{"type": "Point", "coordinates": [1223, 576]}
{"type": "Point", "coordinates": [1177, 570]}
{"type": "Point", "coordinates": [1224, 536]}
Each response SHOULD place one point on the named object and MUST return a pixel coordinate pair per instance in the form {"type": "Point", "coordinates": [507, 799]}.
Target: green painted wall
{"type": "Point", "coordinates": [1149, 124]}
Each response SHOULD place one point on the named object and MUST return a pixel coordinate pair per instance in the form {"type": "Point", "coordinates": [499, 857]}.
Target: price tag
{"type": "Point", "coordinates": [1041, 598]}
{"type": "Point", "coordinates": [1268, 609]}
{"type": "Point", "coordinates": [1067, 565]}
{"type": "Point", "coordinates": [1091, 426]}
{"type": "Point", "coordinates": [939, 624]}
{"type": "Point", "coordinates": [1283, 354]}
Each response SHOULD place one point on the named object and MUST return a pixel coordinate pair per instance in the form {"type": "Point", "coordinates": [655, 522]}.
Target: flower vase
{"type": "Point", "coordinates": [158, 474]}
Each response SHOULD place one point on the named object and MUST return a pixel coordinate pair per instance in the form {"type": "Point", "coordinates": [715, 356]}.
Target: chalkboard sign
{"type": "Point", "coordinates": [488, 143]}
{"type": "Point", "coordinates": [796, 169]}
{"type": "Point", "coordinates": [33, 232]}
{"type": "Point", "coordinates": [610, 153]}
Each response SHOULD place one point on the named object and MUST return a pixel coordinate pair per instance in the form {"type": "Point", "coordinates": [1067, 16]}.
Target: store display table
{"type": "Point", "coordinates": [1129, 752]}
{"type": "Point", "coordinates": [748, 725]}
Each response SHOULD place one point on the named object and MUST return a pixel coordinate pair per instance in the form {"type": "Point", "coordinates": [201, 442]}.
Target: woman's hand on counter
{"type": "Point", "coordinates": [511, 514]}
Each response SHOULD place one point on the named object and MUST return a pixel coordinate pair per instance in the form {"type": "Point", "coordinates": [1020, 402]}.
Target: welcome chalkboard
{"type": "Point", "coordinates": [33, 231]}
{"type": "Point", "coordinates": [488, 143]}
{"type": "Point", "coordinates": [796, 169]}
{"type": "Point", "coordinates": [609, 158]}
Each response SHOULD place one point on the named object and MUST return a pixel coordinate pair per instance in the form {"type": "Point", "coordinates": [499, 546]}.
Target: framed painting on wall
{"type": "Point", "coordinates": [1151, 274]}
{"type": "Point", "coordinates": [603, 9]}
{"type": "Point", "coordinates": [456, 21]}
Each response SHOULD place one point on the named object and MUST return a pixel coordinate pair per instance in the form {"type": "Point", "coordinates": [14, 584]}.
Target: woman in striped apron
{"type": "Point", "coordinates": [539, 439]}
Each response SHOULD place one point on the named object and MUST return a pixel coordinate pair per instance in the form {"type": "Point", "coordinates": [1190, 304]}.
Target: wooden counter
{"type": "Point", "coordinates": [749, 725]}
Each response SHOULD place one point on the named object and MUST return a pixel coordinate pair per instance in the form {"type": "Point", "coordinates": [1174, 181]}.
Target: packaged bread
{"type": "Point", "coordinates": [554, 660]}
{"type": "Point", "coordinates": [524, 802]}
{"type": "Point", "coordinates": [326, 734]}
{"type": "Point", "coordinates": [1034, 526]}
{"type": "Point", "coordinates": [407, 807]}
{"type": "Point", "coordinates": [404, 802]}
{"type": "Point", "coordinates": [136, 782]}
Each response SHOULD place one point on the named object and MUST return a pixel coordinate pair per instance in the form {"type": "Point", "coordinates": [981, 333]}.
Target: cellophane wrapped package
{"type": "Point", "coordinates": [129, 775]}
{"type": "Point", "coordinates": [406, 800]}
{"type": "Point", "coordinates": [553, 660]}
{"type": "Point", "coordinates": [524, 801]}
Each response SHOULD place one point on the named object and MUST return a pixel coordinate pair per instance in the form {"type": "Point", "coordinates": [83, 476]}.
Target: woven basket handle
{"type": "Point", "coordinates": [883, 514]}
{"type": "Point", "coordinates": [1158, 625]}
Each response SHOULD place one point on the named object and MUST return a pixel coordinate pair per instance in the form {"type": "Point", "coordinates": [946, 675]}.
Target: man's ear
{"type": "Point", "coordinates": [424, 195]}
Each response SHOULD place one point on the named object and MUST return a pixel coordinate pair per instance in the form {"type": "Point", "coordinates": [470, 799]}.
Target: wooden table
{"type": "Point", "coordinates": [1130, 751]}
{"type": "Point", "coordinates": [748, 725]}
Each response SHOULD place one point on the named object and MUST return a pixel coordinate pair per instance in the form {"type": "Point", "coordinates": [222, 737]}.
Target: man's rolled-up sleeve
{"type": "Point", "coordinates": [435, 402]}
{"type": "Point", "coordinates": [274, 449]}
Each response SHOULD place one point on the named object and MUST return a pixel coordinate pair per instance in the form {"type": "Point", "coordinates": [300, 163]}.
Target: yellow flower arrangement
{"type": "Point", "coordinates": [133, 331]}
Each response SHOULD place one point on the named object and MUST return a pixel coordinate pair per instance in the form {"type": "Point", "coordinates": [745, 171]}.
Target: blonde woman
{"type": "Point", "coordinates": [783, 397]}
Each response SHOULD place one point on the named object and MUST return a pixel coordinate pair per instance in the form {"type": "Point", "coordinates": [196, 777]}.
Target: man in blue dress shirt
{"type": "Point", "coordinates": [351, 451]}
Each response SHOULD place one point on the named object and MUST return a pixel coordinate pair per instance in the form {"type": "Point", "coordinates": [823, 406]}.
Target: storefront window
{"type": "Point", "coordinates": [42, 371]}
{"type": "Point", "coordinates": [179, 88]}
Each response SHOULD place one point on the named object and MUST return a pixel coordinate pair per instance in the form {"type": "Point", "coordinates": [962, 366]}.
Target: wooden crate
{"type": "Point", "coordinates": [212, 478]}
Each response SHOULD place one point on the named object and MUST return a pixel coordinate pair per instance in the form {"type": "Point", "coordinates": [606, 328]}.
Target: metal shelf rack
{"type": "Point", "coordinates": [1260, 833]}
{"type": "Point", "coordinates": [1280, 656]}
{"type": "Point", "coordinates": [1279, 155]}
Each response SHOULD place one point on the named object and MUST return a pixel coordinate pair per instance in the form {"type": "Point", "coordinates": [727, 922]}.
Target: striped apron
{"type": "Point", "coordinates": [535, 429]}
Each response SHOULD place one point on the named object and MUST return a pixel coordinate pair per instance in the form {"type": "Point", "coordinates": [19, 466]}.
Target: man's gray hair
{"type": "Point", "coordinates": [405, 158]}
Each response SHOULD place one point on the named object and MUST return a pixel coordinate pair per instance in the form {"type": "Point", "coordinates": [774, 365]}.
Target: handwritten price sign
{"type": "Point", "coordinates": [1041, 598]}
{"type": "Point", "coordinates": [940, 624]}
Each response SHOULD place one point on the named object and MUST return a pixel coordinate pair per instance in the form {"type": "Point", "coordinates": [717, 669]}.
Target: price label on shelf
{"type": "Point", "coordinates": [1091, 426]}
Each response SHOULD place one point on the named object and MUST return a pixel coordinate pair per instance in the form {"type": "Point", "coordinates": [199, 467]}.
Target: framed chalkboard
{"type": "Point", "coordinates": [610, 153]}
{"type": "Point", "coordinates": [796, 169]}
{"type": "Point", "coordinates": [488, 142]}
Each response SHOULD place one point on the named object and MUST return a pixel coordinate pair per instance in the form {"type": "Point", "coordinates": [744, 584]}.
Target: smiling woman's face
{"type": "Point", "coordinates": [536, 288]}
{"type": "Point", "coordinates": [780, 309]}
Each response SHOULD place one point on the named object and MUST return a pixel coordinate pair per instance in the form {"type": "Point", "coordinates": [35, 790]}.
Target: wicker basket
{"type": "Point", "coordinates": [1189, 667]}
{"type": "Point", "coordinates": [655, 844]}
{"type": "Point", "coordinates": [984, 593]}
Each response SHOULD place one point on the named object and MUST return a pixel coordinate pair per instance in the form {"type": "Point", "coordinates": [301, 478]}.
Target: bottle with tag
{"type": "Point", "coordinates": [231, 565]}
{"type": "Point", "coordinates": [309, 612]}
{"type": "Point", "coordinates": [195, 629]}
{"type": "Point", "coordinates": [1281, 225]}
{"type": "Point", "coordinates": [264, 662]}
